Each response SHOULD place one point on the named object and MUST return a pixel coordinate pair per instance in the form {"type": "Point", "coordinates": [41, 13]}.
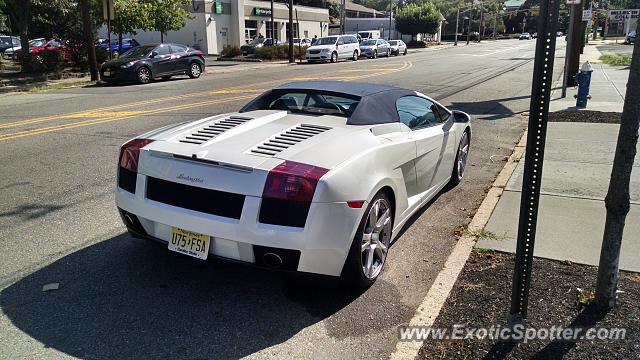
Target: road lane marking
{"type": "Point", "coordinates": [113, 116]}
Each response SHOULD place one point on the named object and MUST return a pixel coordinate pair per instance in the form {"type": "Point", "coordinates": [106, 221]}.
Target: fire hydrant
{"type": "Point", "coordinates": [583, 78]}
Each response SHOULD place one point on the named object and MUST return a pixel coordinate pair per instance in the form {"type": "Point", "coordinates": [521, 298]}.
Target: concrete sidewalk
{"type": "Point", "coordinates": [575, 179]}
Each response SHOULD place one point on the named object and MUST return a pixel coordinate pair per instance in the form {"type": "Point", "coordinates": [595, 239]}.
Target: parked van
{"type": "Point", "coordinates": [332, 48]}
{"type": "Point", "coordinates": [369, 34]}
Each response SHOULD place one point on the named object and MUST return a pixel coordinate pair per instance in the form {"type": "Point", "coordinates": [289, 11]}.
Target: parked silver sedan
{"type": "Point", "coordinates": [372, 48]}
{"type": "Point", "coordinates": [398, 47]}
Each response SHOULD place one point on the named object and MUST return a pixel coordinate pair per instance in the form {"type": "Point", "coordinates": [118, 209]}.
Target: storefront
{"type": "Point", "coordinates": [215, 23]}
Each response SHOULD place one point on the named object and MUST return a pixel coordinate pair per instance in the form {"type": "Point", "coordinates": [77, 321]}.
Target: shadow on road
{"type": "Point", "coordinates": [126, 298]}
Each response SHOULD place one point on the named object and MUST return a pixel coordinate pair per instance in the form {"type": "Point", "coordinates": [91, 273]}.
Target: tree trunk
{"type": "Point", "coordinates": [23, 17]}
{"type": "Point", "coordinates": [161, 37]}
{"type": "Point", "coordinates": [88, 39]}
{"type": "Point", "coordinates": [119, 43]}
{"type": "Point", "coordinates": [617, 199]}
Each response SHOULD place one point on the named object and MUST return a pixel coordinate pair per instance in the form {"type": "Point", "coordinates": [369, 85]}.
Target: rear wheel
{"type": "Point", "coordinates": [369, 249]}
{"type": "Point", "coordinates": [144, 75]}
{"type": "Point", "coordinates": [404, 53]}
{"type": "Point", "coordinates": [461, 160]}
{"type": "Point", "coordinates": [334, 57]}
{"type": "Point", "coordinates": [194, 70]}
{"type": "Point", "coordinates": [355, 55]}
{"type": "Point", "coordinates": [375, 54]}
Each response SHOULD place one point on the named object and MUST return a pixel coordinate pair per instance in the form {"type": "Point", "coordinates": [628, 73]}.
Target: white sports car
{"type": "Point", "coordinates": [315, 176]}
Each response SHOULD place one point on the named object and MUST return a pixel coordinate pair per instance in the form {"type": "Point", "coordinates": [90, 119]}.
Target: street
{"type": "Point", "coordinates": [121, 297]}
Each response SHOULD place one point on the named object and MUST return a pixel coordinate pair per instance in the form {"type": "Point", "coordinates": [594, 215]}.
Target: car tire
{"type": "Point", "coordinates": [195, 70]}
{"type": "Point", "coordinates": [368, 253]}
{"type": "Point", "coordinates": [355, 55]}
{"type": "Point", "coordinates": [144, 75]}
{"type": "Point", "coordinates": [461, 159]}
{"type": "Point", "coordinates": [334, 57]}
{"type": "Point", "coordinates": [404, 53]}
{"type": "Point", "coordinates": [375, 54]}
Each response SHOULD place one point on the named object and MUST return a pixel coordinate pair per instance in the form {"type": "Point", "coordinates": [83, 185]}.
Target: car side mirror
{"type": "Point", "coordinates": [461, 116]}
{"type": "Point", "coordinates": [153, 54]}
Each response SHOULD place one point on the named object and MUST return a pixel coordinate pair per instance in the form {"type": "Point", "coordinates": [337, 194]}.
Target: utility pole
{"type": "Point", "coordinates": [455, 37]}
{"type": "Point", "coordinates": [480, 27]}
{"type": "Point", "coordinates": [291, 57]}
{"type": "Point", "coordinates": [569, 51]}
{"type": "Point", "coordinates": [273, 31]}
{"type": "Point", "coordinates": [495, 25]}
{"type": "Point", "coordinates": [573, 46]}
{"type": "Point", "coordinates": [88, 39]}
{"type": "Point", "coordinates": [390, 13]}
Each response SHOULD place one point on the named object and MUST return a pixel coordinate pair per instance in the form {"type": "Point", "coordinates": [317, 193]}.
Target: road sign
{"type": "Point", "coordinates": [573, 2]}
{"type": "Point", "coordinates": [586, 15]}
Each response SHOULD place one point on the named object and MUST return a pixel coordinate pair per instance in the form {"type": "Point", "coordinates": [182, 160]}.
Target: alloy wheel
{"type": "Point", "coordinates": [376, 238]}
{"type": "Point", "coordinates": [463, 152]}
{"type": "Point", "coordinates": [195, 70]}
{"type": "Point", "coordinates": [144, 75]}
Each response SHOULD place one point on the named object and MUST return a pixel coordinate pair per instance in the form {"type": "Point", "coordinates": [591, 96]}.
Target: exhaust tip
{"type": "Point", "coordinates": [272, 260]}
{"type": "Point", "coordinates": [128, 220]}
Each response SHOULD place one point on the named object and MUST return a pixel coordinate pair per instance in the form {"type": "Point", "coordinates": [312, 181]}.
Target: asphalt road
{"type": "Point", "coordinates": [123, 298]}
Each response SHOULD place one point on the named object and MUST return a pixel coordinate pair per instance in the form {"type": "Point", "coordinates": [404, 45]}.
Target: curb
{"type": "Point", "coordinates": [437, 295]}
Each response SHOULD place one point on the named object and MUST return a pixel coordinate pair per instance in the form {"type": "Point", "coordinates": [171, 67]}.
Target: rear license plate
{"type": "Point", "coordinates": [107, 73]}
{"type": "Point", "coordinates": [189, 243]}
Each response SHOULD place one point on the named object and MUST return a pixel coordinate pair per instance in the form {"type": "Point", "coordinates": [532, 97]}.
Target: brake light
{"type": "Point", "coordinates": [293, 181]}
{"type": "Point", "coordinates": [130, 152]}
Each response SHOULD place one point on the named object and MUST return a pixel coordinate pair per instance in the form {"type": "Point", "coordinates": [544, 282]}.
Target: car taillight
{"type": "Point", "coordinates": [130, 152]}
{"type": "Point", "coordinates": [293, 181]}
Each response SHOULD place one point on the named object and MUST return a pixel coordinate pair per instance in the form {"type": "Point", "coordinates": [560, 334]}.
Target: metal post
{"type": "Point", "coordinates": [568, 51]}
{"type": "Point", "coordinates": [291, 57]}
{"type": "Point", "coordinates": [390, 12]}
{"type": "Point", "coordinates": [534, 154]}
{"type": "Point", "coordinates": [273, 32]}
{"type": "Point", "coordinates": [480, 25]}
{"type": "Point", "coordinates": [495, 25]}
{"type": "Point", "coordinates": [109, 29]}
{"type": "Point", "coordinates": [455, 37]}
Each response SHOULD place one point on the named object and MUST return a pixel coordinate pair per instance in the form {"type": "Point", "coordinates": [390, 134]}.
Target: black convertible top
{"type": "Point", "coordinates": [377, 103]}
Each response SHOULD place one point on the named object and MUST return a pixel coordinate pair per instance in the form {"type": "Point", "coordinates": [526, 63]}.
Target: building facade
{"type": "Point", "coordinates": [216, 23]}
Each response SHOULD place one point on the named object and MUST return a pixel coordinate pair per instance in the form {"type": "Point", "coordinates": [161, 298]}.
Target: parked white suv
{"type": "Point", "coordinates": [332, 48]}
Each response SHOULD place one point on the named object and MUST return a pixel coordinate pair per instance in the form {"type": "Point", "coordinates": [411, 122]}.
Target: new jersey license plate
{"type": "Point", "coordinates": [189, 243]}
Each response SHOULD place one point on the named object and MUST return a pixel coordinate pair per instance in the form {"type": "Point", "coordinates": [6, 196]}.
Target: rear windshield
{"type": "Point", "coordinates": [138, 52]}
{"type": "Point", "coordinates": [315, 102]}
{"type": "Point", "coordinates": [369, 42]}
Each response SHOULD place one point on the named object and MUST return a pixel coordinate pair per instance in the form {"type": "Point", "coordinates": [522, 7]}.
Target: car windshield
{"type": "Point", "coordinates": [327, 40]}
{"type": "Point", "coordinates": [315, 102]}
{"type": "Point", "coordinates": [393, 42]}
{"type": "Point", "coordinates": [368, 42]}
{"type": "Point", "coordinates": [138, 52]}
{"type": "Point", "coordinates": [38, 42]}
{"type": "Point", "coordinates": [5, 39]}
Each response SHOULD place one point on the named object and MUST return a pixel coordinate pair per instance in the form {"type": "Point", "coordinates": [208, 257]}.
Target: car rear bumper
{"type": "Point", "coordinates": [321, 245]}
{"type": "Point", "coordinates": [119, 75]}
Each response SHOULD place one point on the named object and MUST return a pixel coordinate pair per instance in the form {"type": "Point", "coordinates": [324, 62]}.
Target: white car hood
{"type": "Point", "coordinates": [336, 143]}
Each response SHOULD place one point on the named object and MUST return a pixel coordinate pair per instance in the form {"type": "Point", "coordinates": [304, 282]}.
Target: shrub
{"type": "Point", "coordinates": [52, 59]}
{"type": "Point", "coordinates": [416, 44]}
{"type": "Point", "coordinates": [279, 52]}
{"type": "Point", "coordinates": [229, 51]}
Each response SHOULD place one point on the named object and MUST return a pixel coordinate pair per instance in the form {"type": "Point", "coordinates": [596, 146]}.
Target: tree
{"type": "Point", "coordinates": [85, 11]}
{"type": "Point", "coordinates": [416, 19]}
{"type": "Point", "coordinates": [617, 199]}
{"type": "Point", "coordinates": [168, 15]}
{"type": "Point", "coordinates": [129, 16]}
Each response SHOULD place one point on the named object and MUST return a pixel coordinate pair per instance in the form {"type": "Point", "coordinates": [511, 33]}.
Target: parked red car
{"type": "Point", "coordinates": [38, 45]}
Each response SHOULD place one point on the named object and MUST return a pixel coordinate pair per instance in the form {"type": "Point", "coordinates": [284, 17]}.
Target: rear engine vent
{"type": "Point", "coordinates": [214, 129]}
{"type": "Point", "coordinates": [288, 138]}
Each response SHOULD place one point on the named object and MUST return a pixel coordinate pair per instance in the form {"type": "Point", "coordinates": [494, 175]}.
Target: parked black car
{"type": "Point", "coordinates": [144, 63]}
{"type": "Point", "coordinates": [251, 47]}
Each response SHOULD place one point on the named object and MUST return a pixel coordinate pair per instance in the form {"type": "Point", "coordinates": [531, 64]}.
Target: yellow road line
{"type": "Point", "coordinates": [100, 117]}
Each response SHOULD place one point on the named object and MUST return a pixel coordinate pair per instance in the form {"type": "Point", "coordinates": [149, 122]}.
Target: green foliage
{"type": "Point", "coordinates": [416, 44]}
{"type": "Point", "coordinates": [229, 51]}
{"type": "Point", "coordinates": [279, 52]}
{"type": "Point", "coordinates": [616, 59]}
{"type": "Point", "coordinates": [131, 15]}
{"type": "Point", "coordinates": [416, 19]}
{"type": "Point", "coordinates": [168, 15]}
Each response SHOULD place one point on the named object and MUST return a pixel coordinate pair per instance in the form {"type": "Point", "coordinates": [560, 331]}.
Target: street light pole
{"type": "Point", "coordinates": [291, 57]}
{"type": "Point", "coordinates": [455, 37]}
{"type": "Point", "coordinates": [390, 13]}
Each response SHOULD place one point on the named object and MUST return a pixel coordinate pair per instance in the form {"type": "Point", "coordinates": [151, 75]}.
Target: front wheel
{"type": "Point", "coordinates": [404, 53]}
{"type": "Point", "coordinates": [375, 54]}
{"type": "Point", "coordinates": [355, 55]}
{"type": "Point", "coordinates": [370, 246]}
{"type": "Point", "coordinates": [461, 160]}
{"type": "Point", "coordinates": [144, 75]}
{"type": "Point", "coordinates": [334, 57]}
{"type": "Point", "coordinates": [194, 70]}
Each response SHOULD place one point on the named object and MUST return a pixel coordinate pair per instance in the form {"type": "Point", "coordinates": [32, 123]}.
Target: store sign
{"type": "Point", "coordinates": [217, 7]}
{"type": "Point", "coordinates": [573, 2]}
{"type": "Point", "coordinates": [621, 15]}
{"type": "Point", "coordinates": [586, 15]}
{"type": "Point", "coordinates": [261, 11]}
